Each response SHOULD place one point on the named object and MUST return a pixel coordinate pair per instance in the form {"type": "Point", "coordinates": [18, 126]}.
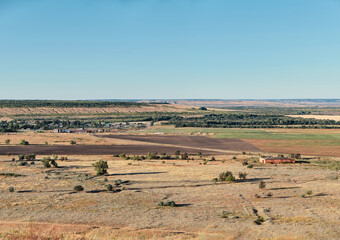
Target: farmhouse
{"type": "Point", "coordinates": [276, 160]}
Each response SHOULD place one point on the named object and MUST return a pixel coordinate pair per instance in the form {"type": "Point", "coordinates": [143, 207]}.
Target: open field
{"type": "Point", "coordinates": [50, 205]}
{"type": "Point", "coordinates": [7, 111]}
{"type": "Point", "coordinates": [318, 142]}
{"type": "Point", "coordinates": [198, 142]}
{"type": "Point", "coordinates": [322, 117]}
{"type": "Point", "coordinates": [102, 149]}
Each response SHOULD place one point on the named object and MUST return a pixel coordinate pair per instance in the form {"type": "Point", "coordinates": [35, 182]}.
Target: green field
{"type": "Point", "coordinates": [248, 134]}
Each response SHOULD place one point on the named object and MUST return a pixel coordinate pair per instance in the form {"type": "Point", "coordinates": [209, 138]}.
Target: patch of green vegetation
{"type": "Point", "coordinates": [250, 134]}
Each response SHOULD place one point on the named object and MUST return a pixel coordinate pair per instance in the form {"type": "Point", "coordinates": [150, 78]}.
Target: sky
{"type": "Point", "coordinates": [169, 49]}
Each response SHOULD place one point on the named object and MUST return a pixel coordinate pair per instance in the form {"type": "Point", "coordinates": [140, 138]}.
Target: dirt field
{"type": "Point", "coordinates": [192, 141]}
{"type": "Point", "coordinates": [49, 206]}
{"type": "Point", "coordinates": [97, 149]}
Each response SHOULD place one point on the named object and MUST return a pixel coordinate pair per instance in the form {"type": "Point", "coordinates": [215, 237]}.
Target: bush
{"type": "Point", "coordinates": [109, 187]}
{"type": "Point", "coordinates": [78, 188]}
{"type": "Point", "coordinates": [245, 163]}
{"type": "Point", "coordinates": [54, 163]}
{"type": "Point", "coordinates": [115, 155]}
{"type": "Point", "coordinates": [11, 189]}
{"type": "Point", "coordinates": [259, 220]}
{"type": "Point", "coordinates": [242, 175]}
{"type": "Point", "coordinates": [122, 155]}
{"type": "Point", "coordinates": [21, 157]}
{"type": "Point", "coordinates": [30, 157]}
{"type": "Point", "coordinates": [24, 142]}
{"type": "Point", "coordinates": [22, 163]}
{"type": "Point", "coordinates": [46, 162]}
{"type": "Point", "coordinates": [118, 182]}
{"type": "Point", "coordinates": [7, 141]}
{"type": "Point", "coordinates": [270, 194]}
{"type": "Point", "coordinates": [309, 192]}
{"type": "Point", "coordinates": [250, 166]}
{"type": "Point", "coordinates": [152, 156]}
{"type": "Point", "coordinates": [262, 184]}
{"type": "Point", "coordinates": [72, 142]}
{"type": "Point", "coordinates": [101, 167]}
{"type": "Point", "coordinates": [226, 176]}
{"type": "Point", "coordinates": [167, 204]}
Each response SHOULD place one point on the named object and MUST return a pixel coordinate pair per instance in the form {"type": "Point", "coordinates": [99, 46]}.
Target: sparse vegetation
{"type": "Point", "coordinates": [167, 204]}
{"type": "Point", "coordinates": [101, 167]}
{"type": "Point", "coordinates": [262, 184]}
{"type": "Point", "coordinates": [78, 188]}
{"type": "Point", "coordinates": [226, 177]}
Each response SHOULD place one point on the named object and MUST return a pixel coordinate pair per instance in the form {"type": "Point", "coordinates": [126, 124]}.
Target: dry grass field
{"type": "Point", "coordinates": [45, 206]}
{"type": "Point", "coordinates": [7, 111]}
{"type": "Point", "coordinates": [322, 117]}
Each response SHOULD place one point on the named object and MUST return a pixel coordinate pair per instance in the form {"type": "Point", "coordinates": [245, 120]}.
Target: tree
{"type": "Point", "coordinates": [101, 167]}
{"type": "Point", "coordinates": [7, 141]}
{"type": "Point", "coordinates": [24, 142]}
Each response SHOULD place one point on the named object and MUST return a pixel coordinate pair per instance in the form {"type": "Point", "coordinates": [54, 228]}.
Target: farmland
{"type": "Point", "coordinates": [163, 181]}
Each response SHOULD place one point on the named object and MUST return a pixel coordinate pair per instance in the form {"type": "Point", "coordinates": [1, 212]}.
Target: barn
{"type": "Point", "coordinates": [276, 160]}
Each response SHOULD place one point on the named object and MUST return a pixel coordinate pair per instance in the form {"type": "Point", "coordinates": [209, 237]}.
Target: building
{"type": "Point", "coordinates": [276, 160]}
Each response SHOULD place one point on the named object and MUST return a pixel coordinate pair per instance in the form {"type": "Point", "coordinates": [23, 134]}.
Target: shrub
{"type": "Point", "coordinates": [122, 155]}
{"type": "Point", "coordinates": [24, 163]}
{"type": "Point", "coordinates": [11, 189]}
{"type": "Point", "coordinates": [245, 163]}
{"type": "Point", "coordinates": [244, 153]}
{"type": "Point", "coordinates": [55, 157]}
{"type": "Point", "coordinates": [32, 163]}
{"type": "Point", "coordinates": [309, 192]}
{"type": "Point", "coordinates": [167, 204]}
{"type": "Point", "coordinates": [101, 167]}
{"type": "Point", "coordinates": [270, 194]}
{"type": "Point", "coordinates": [262, 184]}
{"type": "Point", "coordinates": [118, 182]}
{"type": "Point", "coordinates": [30, 157]}
{"type": "Point", "coordinates": [259, 220]}
{"type": "Point", "coordinates": [46, 162]}
{"type": "Point", "coordinates": [184, 156]}
{"type": "Point", "coordinates": [21, 157]}
{"type": "Point", "coordinates": [72, 142]}
{"type": "Point", "coordinates": [152, 156]}
{"type": "Point", "coordinates": [250, 166]}
{"type": "Point", "coordinates": [234, 157]}
{"type": "Point", "coordinates": [24, 142]}
{"type": "Point", "coordinates": [78, 188]}
{"type": "Point", "coordinates": [54, 163]}
{"type": "Point", "coordinates": [213, 159]}
{"type": "Point", "coordinates": [7, 141]}
{"type": "Point", "coordinates": [115, 155]}
{"type": "Point", "coordinates": [242, 175]}
{"type": "Point", "coordinates": [105, 180]}
{"type": "Point", "coordinates": [226, 176]}
{"type": "Point", "coordinates": [109, 187]}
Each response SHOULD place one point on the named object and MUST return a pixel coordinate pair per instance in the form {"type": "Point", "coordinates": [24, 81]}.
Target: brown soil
{"type": "Point", "coordinates": [192, 141]}
{"type": "Point", "coordinates": [95, 149]}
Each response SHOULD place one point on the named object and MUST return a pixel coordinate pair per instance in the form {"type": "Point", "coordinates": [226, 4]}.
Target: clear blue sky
{"type": "Point", "coordinates": [100, 49]}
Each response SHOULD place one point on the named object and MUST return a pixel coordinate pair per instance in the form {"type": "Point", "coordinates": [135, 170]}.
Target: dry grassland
{"type": "Point", "coordinates": [321, 117]}
{"type": "Point", "coordinates": [6, 111]}
{"type": "Point", "coordinates": [46, 204]}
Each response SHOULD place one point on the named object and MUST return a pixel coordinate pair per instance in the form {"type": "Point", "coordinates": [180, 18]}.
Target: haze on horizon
{"type": "Point", "coordinates": [179, 49]}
